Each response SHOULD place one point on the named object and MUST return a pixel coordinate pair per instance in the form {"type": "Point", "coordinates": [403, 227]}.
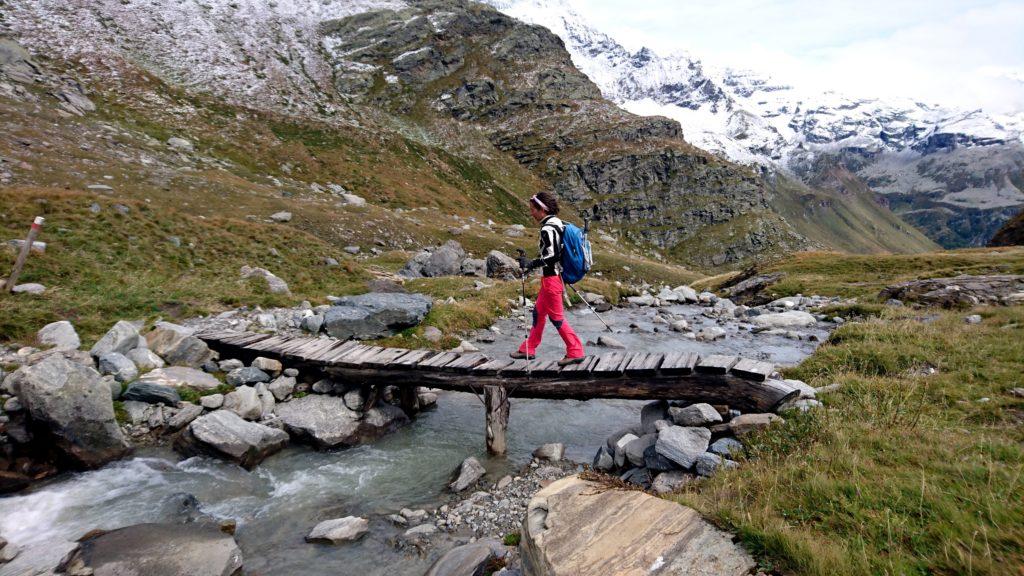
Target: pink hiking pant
{"type": "Point", "coordinates": [549, 304]}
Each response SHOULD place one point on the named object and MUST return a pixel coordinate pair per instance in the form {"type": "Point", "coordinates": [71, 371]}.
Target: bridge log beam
{"type": "Point", "coordinates": [497, 406]}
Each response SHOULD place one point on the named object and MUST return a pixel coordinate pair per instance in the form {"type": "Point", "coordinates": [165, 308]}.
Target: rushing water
{"type": "Point", "coordinates": [277, 503]}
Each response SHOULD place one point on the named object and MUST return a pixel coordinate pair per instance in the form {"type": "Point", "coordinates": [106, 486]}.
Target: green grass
{"type": "Point", "coordinates": [903, 472]}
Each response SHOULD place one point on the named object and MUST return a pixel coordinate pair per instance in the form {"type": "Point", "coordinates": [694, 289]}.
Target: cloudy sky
{"type": "Point", "coordinates": [966, 53]}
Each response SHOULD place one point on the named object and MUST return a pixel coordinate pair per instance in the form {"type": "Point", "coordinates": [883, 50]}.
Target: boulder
{"type": "Point", "coordinates": [156, 550]}
{"type": "Point", "coordinates": [274, 284]}
{"type": "Point", "coordinates": [958, 292]}
{"type": "Point", "coordinates": [651, 413]}
{"type": "Point", "coordinates": [469, 472]}
{"type": "Point", "coordinates": [339, 530]}
{"type": "Point", "coordinates": [245, 376]}
{"type": "Point", "coordinates": [282, 387]}
{"type": "Point", "coordinates": [184, 416]}
{"type": "Point", "coordinates": [212, 401]}
{"type": "Point", "coordinates": [33, 288]}
{"type": "Point", "coordinates": [642, 300]}
{"type": "Point", "coordinates": [181, 377]}
{"type": "Point", "coordinates": [224, 434]}
{"type": "Point", "coordinates": [268, 365]}
{"type": "Point", "coordinates": [635, 449]}
{"type": "Point", "coordinates": [501, 265]}
{"type": "Point", "coordinates": [609, 342]}
{"type": "Point", "coordinates": [683, 445]}
{"type": "Point", "coordinates": [177, 345]}
{"type": "Point", "coordinates": [671, 481]}
{"type": "Point", "coordinates": [711, 334]}
{"type": "Point", "coordinates": [145, 359]}
{"type": "Point", "coordinates": [620, 449]}
{"type": "Point", "coordinates": [577, 527]}
{"type": "Point", "coordinates": [708, 463]}
{"type": "Point", "coordinates": [230, 364]}
{"type": "Point", "coordinates": [747, 423]}
{"type": "Point", "coordinates": [119, 366]}
{"type": "Point", "coordinates": [468, 559]}
{"type": "Point", "coordinates": [656, 462]}
{"type": "Point", "coordinates": [380, 420]}
{"type": "Point", "coordinates": [73, 405]}
{"type": "Point", "coordinates": [180, 144]}
{"type": "Point", "coordinates": [550, 452]}
{"type": "Point", "coordinates": [686, 294]}
{"type": "Point", "coordinates": [603, 460]}
{"type": "Point", "coordinates": [473, 267]}
{"type": "Point", "coordinates": [313, 323]}
{"type": "Point", "coordinates": [790, 319]}
{"type": "Point", "coordinates": [245, 402]}
{"type": "Point", "coordinates": [59, 335]}
{"type": "Point", "coordinates": [375, 315]}
{"type": "Point", "coordinates": [151, 393]}
{"type": "Point", "coordinates": [281, 216]}
{"type": "Point", "coordinates": [325, 421]}
{"type": "Point", "coordinates": [123, 337]}
{"type": "Point", "coordinates": [445, 260]}
{"type": "Point", "coordinates": [695, 415]}
{"type": "Point", "coordinates": [726, 447]}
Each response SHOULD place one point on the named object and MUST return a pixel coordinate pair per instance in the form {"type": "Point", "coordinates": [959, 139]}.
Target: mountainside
{"type": "Point", "coordinates": [439, 103]}
{"type": "Point", "coordinates": [1011, 234]}
{"type": "Point", "coordinates": [956, 175]}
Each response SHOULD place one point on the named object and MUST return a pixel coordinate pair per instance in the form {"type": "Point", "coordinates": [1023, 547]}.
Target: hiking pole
{"type": "Point", "coordinates": [589, 306]}
{"type": "Point", "coordinates": [522, 274]}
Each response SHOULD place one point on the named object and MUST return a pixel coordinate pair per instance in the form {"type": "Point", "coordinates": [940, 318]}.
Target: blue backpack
{"type": "Point", "coordinates": [576, 256]}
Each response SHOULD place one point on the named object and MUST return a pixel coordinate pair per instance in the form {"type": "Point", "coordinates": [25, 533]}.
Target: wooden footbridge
{"type": "Point", "coordinates": [740, 383]}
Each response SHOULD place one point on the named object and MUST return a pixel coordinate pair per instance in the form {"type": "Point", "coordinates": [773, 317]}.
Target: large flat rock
{"type": "Point", "coordinates": [375, 315]}
{"type": "Point", "coordinates": [158, 550]}
{"type": "Point", "coordinates": [224, 434]}
{"type": "Point", "coordinates": [577, 527]}
{"type": "Point", "coordinates": [322, 420]}
{"type": "Point", "coordinates": [181, 376]}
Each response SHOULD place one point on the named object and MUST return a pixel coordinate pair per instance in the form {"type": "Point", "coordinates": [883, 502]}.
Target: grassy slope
{"type": "Point", "coordinates": [904, 472]}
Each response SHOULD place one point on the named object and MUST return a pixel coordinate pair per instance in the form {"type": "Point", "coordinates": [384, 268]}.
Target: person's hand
{"type": "Point", "coordinates": [524, 264]}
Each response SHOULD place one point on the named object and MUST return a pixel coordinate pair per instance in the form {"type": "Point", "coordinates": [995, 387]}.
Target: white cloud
{"type": "Point", "coordinates": [957, 53]}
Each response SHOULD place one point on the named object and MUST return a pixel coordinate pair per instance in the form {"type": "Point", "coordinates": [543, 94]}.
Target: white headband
{"type": "Point", "coordinates": [539, 203]}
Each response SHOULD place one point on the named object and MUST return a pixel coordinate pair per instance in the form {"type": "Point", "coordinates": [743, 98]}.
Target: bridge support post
{"type": "Point", "coordinates": [409, 400]}
{"type": "Point", "coordinates": [496, 403]}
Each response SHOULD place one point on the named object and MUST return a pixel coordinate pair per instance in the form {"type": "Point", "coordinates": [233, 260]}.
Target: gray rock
{"type": "Point", "coordinates": [550, 452]}
{"type": "Point", "coordinates": [620, 449]}
{"type": "Point", "coordinates": [414, 516]}
{"type": "Point", "coordinates": [313, 323]}
{"type": "Point", "coordinates": [427, 400]}
{"type": "Point", "coordinates": [29, 288]}
{"type": "Point", "coordinates": [8, 552]}
{"type": "Point", "coordinates": [656, 462]}
{"type": "Point", "coordinates": [274, 284]}
{"type": "Point", "coordinates": [470, 471]}
{"type": "Point", "coordinates": [291, 372]}
{"type": "Point", "coordinates": [695, 415]}
{"type": "Point", "coordinates": [747, 423]}
{"type": "Point", "coordinates": [267, 400]}
{"type": "Point", "coordinates": [635, 450]}
{"type": "Point", "coordinates": [244, 376]}
{"type": "Point", "coordinates": [686, 294]}
{"type": "Point", "coordinates": [184, 416]}
{"type": "Point", "coordinates": [473, 267]}
{"type": "Point", "coordinates": [790, 319]}
{"type": "Point", "coordinates": [177, 345]}
{"type": "Point", "coordinates": [680, 326]}
{"type": "Point", "coordinates": [375, 315]}
{"type": "Point", "coordinates": [230, 364]}
{"type": "Point", "coordinates": [122, 337]}
{"type": "Point", "coordinates": [609, 342]}
{"type": "Point", "coordinates": [119, 366]}
{"type": "Point", "coordinates": [468, 559]}
{"type": "Point", "coordinates": [180, 144]}
{"type": "Point", "coordinates": [245, 402]}
{"type": "Point", "coordinates": [352, 249]}
{"type": "Point", "coordinates": [433, 334]}
{"type": "Point", "coordinates": [446, 260]}
{"type": "Point", "coordinates": [603, 460]}
{"type": "Point", "coordinates": [806, 390]}
{"type": "Point", "coordinates": [137, 412]}
{"type": "Point", "coordinates": [73, 405]}
{"type": "Point", "coordinates": [324, 421]}
{"type": "Point", "coordinates": [281, 216]}
{"type": "Point", "coordinates": [145, 359]}
{"type": "Point", "coordinates": [212, 401]}
{"type": "Point", "coordinates": [651, 413]}
{"type": "Point", "coordinates": [380, 420]}
{"type": "Point", "coordinates": [114, 385]}
{"type": "Point", "coordinates": [339, 530]}
{"type": "Point", "coordinates": [59, 335]}
{"type": "Point", "coordinates": [13, 404]}
{"type": "Point", "coordinates": [151, 393]}
{"type": "Point", "coordinates": [268, 365]}
{"type": "Point", "coordinates": [667, 482]}
{"type": "Point", "coordinates": [191, 549]}
{"type": "Point", "coordinates": [224, 434]}
{"type": "Point", "coordinates": [707, 464]}
{"type": "Point", "coordinates": [726, 447]}
{"type": "Point", "coordinates": [973, 319]}
{"type": "Point", "coordinates": [282, 387]}
{"type": "Point", "coordinates": [500, 265]}
{"type": "Point", "coordinates": [683, 445]}
{"type": "Point", "coordinates": [355, 399]}
{"type": "Point", "coordinates": [181, 376]}
{"type": "Point", "coordinates": [420, 531]}
{"type": "Point", "coordinates": [637, 476]}
{"type": "Point", "coordinates": [711, 334]}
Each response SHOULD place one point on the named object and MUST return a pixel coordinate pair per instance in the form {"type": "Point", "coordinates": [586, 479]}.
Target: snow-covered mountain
{"type": "Point", "coordinates": [933, 164]}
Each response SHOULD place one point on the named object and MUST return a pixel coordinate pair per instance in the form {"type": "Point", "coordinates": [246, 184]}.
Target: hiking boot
{"type": "Point", "coordinates": [517, 355]}
{"type": "Point", "coordinates": [567, 361]}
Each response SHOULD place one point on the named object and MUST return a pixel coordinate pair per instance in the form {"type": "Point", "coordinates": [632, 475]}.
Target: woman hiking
{"type": "Point", "coordinates": [544, 209]}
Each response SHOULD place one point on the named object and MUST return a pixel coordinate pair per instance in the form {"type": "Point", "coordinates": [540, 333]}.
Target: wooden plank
{"type": "Point", "coordinates": [314, 350]}
{"type": "Point", "coordinates": [644, 363]}
{"type": "Point", "coordinates": [608, 364]}
{"type": "Point", "coordinates": [467, 362]}
{"type": "Point", "coordinates": [296, 347]}
{"type": "Point", "coordinates": [269, 344]}
{"type": "Point", "coordinates": [716, 364]}
{"type": "Point", "coordinates": [679, 362]}
{"type": "Point", "coordinates": [580, 370]}
{"type": "Point", "coordinates": [544, 368]}
{"type": "Point", "coordinates": [753, 369]}
{"type": "Point", "coordinates": [439, 360]}
{"type": "Point", "coordinates": [340, 354]}
{"type": "Point", "coordinates": [411, 359]}
{"type": "Point", "coordinates": [360, 358]}
{"type": "Point", "coordinates": [339, 346]}
{"type": "Point", "coordinates": [240, 338]}
{"type": "Point", "coordinates": [386, 357]}
{"type": "Point", "coordinates": [493, 367]}
{"type": "Point", "coordinates": [516, 368]}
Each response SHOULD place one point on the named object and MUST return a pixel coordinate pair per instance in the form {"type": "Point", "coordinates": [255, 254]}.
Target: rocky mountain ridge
{"type": "Point", "coordinates": [955, 174]}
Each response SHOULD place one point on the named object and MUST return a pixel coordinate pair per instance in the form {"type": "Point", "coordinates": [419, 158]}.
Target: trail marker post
{"type": "Point", "coordinates": [37, 225]}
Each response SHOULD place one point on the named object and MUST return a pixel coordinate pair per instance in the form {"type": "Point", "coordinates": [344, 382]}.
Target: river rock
{"type": "Point", "coordinates": [177, 345]}
{"type": "Point", "coordinates": [274, 284]}
{"type": "Point", "coordinates": [603, 460]}
{"type": "Point", "coordinates": [695, 415]}
{"type": "Point", "coordinates": [683, 445]}
{"type": "Point", "coordinates": [225, 435]}
{"type": "Point", "coordinates": [577, 527]}
{"type": "Point", "coordinates": [634, 451]}
{"type": "Point", "coordinates": [375, 315]}
{"type": "Point", "coordinates": [651, 413]}
{"type": "Point", "coordinates": [380, 420]}
{"type": "Point", "coordinates": [119, 366]}
{"type": "Point", "coordinates": [245, 402]}
{"type": "Point", "coordinates": [122, 337]}
{"type": "Point", "coordinates": [469, 472]}
{"type": "Point", "coordinates": [156, 550]}
{"type": "Point", "coordinates": [726, 447]}
{"type": "Point", "coordinates": [151, 393]}
{"type": "Point", "coordinates": [73, 405]}
{"type": "Point", "coordinates": [790, 319]}
{"type": "Point", "coordinates": [747, 423]}
{"type": "Point", "coordinates": [671, 481]}
{"type": "Point", "coordinates": [268, 365]}
{"type": "Point", "coordinates": [323, 420]}
{"type": "Point", "coordinates": [686, 293]}
{"type": "Point", "coordinates": [245, 376]}
{"type": "Point", "coordinates": [282, 387]}
{"type": "Point", "coordinates": [184, 416]}
{"type": "Point", "coordinates": [230, 364]}
{"type": "Point", "coordinates": [181, 376]}
{"type": "Point", "coordinates": [468, 559]}
{"type": "Point", "coordinates": [59, 335]}
{"type": "Point", "coordinates": [655, 462]}
{"type": "Point", "coordinates": [212, 401]}
{"type": "Point", "coordinates": [501, 265]}
{"type": "Point", "coordinates": [609, 342]}
{"type": "Point", "coordinates": [145, 359]}
{"type": "Point", "coordinates": [339, 530]}
{"type": "Point", "coordinates": [620, 448]}
{"type": "Point", "coordinates": [550, 452]}
{"type": "Point", "coordinates": [711, 334]}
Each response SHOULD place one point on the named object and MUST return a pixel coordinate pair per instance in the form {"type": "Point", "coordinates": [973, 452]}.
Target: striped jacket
{"type": "Point", "coordinates": [551, 231]}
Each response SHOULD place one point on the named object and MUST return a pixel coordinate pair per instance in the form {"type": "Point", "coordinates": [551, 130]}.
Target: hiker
{"type": "Point", "coordinates": [544, 209]}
